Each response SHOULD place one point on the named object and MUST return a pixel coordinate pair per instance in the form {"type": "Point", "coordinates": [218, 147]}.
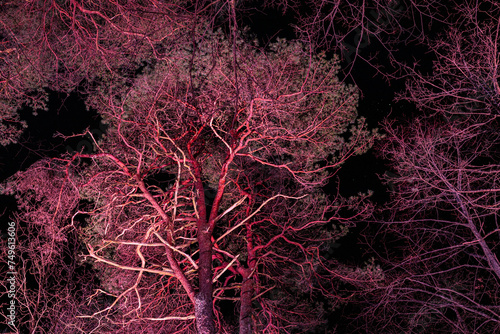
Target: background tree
{"type": "Point", "coordinates": [443, 218]}
{"type": "Point", "coordinates": [443, 269]}
{"type": "Point", "coordinates": [464, 79]}
{"type": "Point", "coordinates": [51, 281]}
{"type": "Point", "coordinates": [372, 32]}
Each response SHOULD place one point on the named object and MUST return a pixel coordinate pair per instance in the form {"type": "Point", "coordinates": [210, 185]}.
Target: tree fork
{"type": "Point", "coordinates": [203, 306]}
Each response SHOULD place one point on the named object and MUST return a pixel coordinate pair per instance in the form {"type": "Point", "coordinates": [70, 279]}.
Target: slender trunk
{"type": "Point", "coordinates": [488, 253]}
{"type": "Point", "coordinates": [490, 256]}
{"type": "Point", "coordinates": [246, 303]}
{"type": "Point", "coordinates": [247, 287]}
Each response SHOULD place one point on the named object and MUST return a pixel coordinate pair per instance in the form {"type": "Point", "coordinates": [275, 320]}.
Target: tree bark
{"type": "Point", "coordinates": [203, 306]}
{"type": "Point", "coordinates": [246, 303]}
{"type": "Point", "coordinates": [204, 315]}
{"type": "Point", "coordinates": [203, 300]}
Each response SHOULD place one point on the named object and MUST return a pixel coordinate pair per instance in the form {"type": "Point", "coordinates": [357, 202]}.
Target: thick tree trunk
{"type": "Point", "coordinates": [203, 300]}
{"type": "Point", "coordinates": [246, 303]}
{"type": "Point", "coordinates": [203, 305]}
{"type": "Point", "coordinates": [204, 315]}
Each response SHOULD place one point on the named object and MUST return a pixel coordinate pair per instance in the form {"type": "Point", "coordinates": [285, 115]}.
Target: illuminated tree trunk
{"type": "Point", "coordinates": [203, 307]}
{"type": "Point", "coordinates": [246, 302]}
{"type": "Point", "coordinates": [203, 300]}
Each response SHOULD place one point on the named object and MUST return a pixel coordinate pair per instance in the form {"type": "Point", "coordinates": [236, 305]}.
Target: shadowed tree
{"type": "Point", "coordinates": [443, 220]}
{"type": "Point", "coordinates": [443, 273]}
{"type": "Point", "coordinates": [371, 31]}
{"type": "Point", "coordinates": [464, 80]}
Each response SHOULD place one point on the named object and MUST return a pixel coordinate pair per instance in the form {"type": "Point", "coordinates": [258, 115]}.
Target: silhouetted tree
{"type": "Point", "coordinates": [443, 273]}
{"type": "Point", "coordinates": [443, 270]}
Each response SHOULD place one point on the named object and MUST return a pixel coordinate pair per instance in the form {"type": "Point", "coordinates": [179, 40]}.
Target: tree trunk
{"type": "Point", "coordinates": [203, 300]}
{"type": "Point", "coordinates": [488, 253]}
{"type": "Point", "coordinates": [246, 303]}
{"type": "Point", "coordinates": [203, 304]}
{"type": "Point", "coordinates": [204, 315]}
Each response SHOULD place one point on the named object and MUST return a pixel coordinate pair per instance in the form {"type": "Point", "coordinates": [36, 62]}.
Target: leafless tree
{"type": "Point", "coordinates": [438, 238]}
{"type": "Point", "coordinates": [464, 79]}
{"type": "Point", "coordinates": [443, 272]}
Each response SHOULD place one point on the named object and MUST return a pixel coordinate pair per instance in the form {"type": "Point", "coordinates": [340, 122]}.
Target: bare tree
{"type": "Point", "coordinates": [371, 31]}
{"type": "Point", "coordinates": [440, 232]}
{"type": "Point", "coordinates": [464, 79]}
{"type": "Point", "coordinates": [443, 275]}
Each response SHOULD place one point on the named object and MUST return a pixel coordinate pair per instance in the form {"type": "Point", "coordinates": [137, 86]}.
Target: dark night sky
{"type": "Point", "coordinates": [66, 115]}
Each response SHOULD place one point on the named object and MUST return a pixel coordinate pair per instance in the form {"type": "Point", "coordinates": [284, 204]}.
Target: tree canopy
{"type": "Point", "coordinates": [246, 137]}
{"type": "Point", "coordinates": [210, 199]}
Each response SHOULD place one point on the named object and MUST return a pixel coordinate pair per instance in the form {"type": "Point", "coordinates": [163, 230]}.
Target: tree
{"type": "Point", "coordinates": [373, 32]}
{"type": "Point", "coordinates": [464, 79]}
{"type": "Point", "coordinates": [51, 284]}
{"type": "Point", "coordinates": [443, 267]}
{"type": "Point", "coordinates": [444, 272]}
{"type": "Point", "coordinates": [208, 187]}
